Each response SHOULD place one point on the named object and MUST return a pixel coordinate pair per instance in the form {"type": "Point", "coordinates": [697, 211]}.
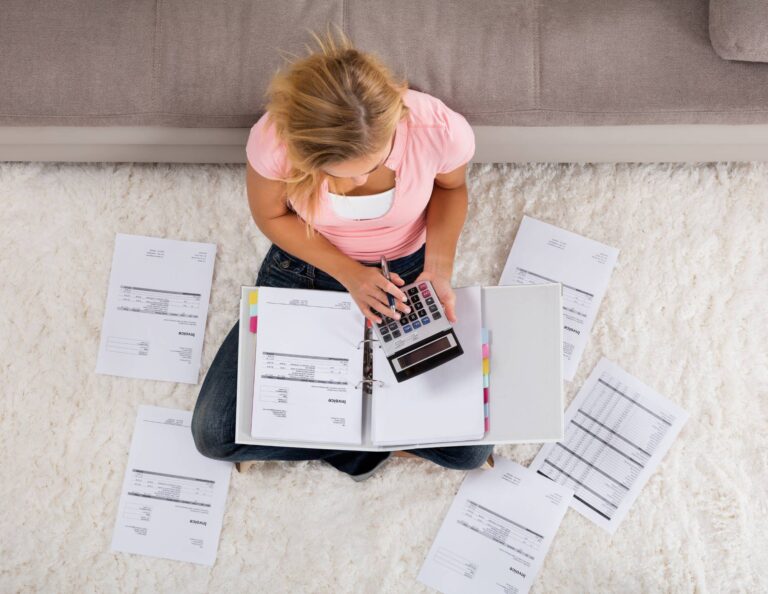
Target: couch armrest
{"type": "Point", "coordinates": [738, 29]}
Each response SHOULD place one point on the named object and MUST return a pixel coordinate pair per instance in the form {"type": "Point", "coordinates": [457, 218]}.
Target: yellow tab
{"type": "Point", "coordinates": [253, 298]}
{"type": "Point", "coordinates": [486, 366]}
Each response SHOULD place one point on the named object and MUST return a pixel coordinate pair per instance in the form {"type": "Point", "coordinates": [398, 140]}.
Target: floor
{"type": "Point", "coordinates": [685, 312]}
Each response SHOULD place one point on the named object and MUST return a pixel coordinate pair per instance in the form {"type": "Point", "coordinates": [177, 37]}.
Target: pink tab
{"type": "Point", "coordinates": [254, 320]}
{"type": "Point", "coordinates": [485, 395]}
{"type": "Point", "coordinates": [486, 351]}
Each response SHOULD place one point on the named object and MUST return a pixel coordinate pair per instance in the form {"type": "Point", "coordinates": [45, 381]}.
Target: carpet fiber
{"type": "Point", "coordinates": [685, 312]}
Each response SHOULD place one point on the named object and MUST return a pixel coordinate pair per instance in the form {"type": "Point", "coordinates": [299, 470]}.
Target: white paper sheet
{"type": "Point", "coordinates": [444, 404]}
{"type": "Point", "coordinates": [157, 305]}
{"type": "Point", "coordinates": [309, 363]}
{"type": "Point", "coordinates": [617, 430]}
{"type": "Point", "coordinates": [172, 501]}
{"type": "Point", "coordinates": [496, 533]}
{"type": "Point", "coordinates": [543, 253]}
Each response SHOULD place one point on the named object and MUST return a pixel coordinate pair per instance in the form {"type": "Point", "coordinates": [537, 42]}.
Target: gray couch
{"type": "Point", "coordinates": [539, 80]}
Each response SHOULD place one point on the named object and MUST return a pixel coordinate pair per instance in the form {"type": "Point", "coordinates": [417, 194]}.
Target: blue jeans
{"type": "Point", "coordinates": [213, 422]}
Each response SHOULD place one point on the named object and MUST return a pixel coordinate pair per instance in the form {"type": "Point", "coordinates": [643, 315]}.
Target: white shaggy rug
{"type": "Point", "coordinates": [685, 312]}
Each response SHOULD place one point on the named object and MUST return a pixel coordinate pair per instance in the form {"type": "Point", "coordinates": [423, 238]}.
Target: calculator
{"type": "Point", "coordinates": [421, 340]}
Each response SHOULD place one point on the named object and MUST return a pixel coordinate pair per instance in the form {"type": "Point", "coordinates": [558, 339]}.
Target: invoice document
{"type": "Point", "coordinates": [309, 367]}
{"type": "Point", "coordinates": [496, 533]}
{"type": "Point", "coordinates": [172, 502]}
{"type": "Point", "coordinates": [157, 305]}
{"type": "Point", "coordinates": [617, 431]}
{"type": "Point", "coordinates": [445, 404]}
{"type": "Point", "coordinates": [543, 253]}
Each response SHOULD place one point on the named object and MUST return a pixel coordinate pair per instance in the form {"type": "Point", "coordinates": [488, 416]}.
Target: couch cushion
{"type": "Point", "coordinates": [198, 63]}
{"type": "Point", "coordinates": [739, 29]}
{"type": "Point", "coordinates": [478, 57]}
{"type": "Point", "coordinates": [641, 62]}
{"type": "Point", "coordinates": [215, 58]}
{"type": "Point", "coordinates": [76, 62]}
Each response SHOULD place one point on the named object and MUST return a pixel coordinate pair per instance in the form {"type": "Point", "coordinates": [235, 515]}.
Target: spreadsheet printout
{"type": "Point", "coordinates": [496, 533]}
{"type": "Point", "coordinates": [617, 430]}
{"type": "Point", "coordinates": [543, 253]}
{"type": "Point", "coordinates": [173, 497]}
{"type": "Point", "coordinates": [156, 309]}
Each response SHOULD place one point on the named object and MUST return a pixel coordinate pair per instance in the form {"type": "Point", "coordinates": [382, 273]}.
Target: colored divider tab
{"type": "Point", "coordinates": [253, 310]}
{"type": "Point", "coordinates": [486, 377]}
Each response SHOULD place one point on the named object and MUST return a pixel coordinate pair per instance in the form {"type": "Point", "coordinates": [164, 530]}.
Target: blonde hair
{"type": "Point", "coordinates": [331, 106]}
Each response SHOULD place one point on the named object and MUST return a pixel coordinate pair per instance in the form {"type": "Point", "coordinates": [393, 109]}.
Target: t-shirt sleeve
{"type": "Point", "coordinates": [459, 145]}
{"type": "Point", "coordinates": [265, 152]}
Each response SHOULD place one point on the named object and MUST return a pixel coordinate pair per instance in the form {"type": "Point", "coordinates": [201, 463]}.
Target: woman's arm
{"type": "Point", "coordinates": [266, 199]}
{"type": "Point", "coordinates": [446, 213]}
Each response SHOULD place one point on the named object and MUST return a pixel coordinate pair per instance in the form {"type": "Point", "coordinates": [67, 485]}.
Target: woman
{"type": "Point", "coordinates": [347, 165]}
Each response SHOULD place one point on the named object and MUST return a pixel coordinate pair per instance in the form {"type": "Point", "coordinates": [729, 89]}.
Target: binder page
{"type": "Point", "coordinates": [444, 404]}
{"type": "Point", "coordinates": [496, 533]}
{"type": "Point", "coordinates": [543, 253]}
{"type": "Point", "coordinates": [309, 363]}
{"type": "Point", "coordinates": [617, 431]}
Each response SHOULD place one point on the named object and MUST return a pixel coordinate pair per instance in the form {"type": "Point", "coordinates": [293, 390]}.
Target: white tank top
{"type": "Point", "coordinates": [360, 208]}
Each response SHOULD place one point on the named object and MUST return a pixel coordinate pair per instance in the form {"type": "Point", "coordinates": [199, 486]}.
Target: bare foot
{"type": "Point", "coordinates": [402, 454]}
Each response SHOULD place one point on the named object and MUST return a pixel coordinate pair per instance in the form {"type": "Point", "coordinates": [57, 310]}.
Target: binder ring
{"type": "Point", "coordinates": [366, 340]}
{"type": "Point", "coordinates": [369, 381]}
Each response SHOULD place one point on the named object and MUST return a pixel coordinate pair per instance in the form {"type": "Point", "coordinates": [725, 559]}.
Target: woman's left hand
{"type": "Point", "coordinates": [444, 290]}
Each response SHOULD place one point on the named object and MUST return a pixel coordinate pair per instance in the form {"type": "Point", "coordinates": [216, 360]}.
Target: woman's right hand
{"type": "Point", "coordinates": [369, 289]}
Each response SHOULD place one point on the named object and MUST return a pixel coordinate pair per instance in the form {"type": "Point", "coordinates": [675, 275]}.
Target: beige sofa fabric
{"type": "Point", "coordinates": [206, 63]}
{"type": "Point", "coordinates": [739, 29]}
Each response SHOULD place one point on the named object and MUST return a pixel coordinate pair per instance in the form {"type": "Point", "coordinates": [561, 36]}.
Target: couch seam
{"type": "Point", "coordinates": [536, 32]}
{"type": "Point", "coordinates": [155, 59]}
{"type": "Point", "coordinates": [464, 113]}
{"type": "Point", "coordinates": [472, 113]}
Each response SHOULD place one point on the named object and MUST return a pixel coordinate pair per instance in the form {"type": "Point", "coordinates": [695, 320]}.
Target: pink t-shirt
{"type": "Point", "coordinates": [432, 139]}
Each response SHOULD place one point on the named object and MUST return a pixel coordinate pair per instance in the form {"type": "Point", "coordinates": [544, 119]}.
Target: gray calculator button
{"type": "Point", "coordinates": [393, 326]}
{"type": "Point", "coordinates": [387, 337]}
{"type": "Point", "coordinates": [430, 301]}
{"type": "Point", "coordinates": [437, 315]}
{"type": "Point", "coordinates": [384, 330]}
{"type": "Point", "coordinates": [413, 291]}
{"type": "Point", "coordinates": [433, 308]}
{"type": "Point", "coordinates": [413, 317]}
{"type": "Point", "coordinates": [396, 333]}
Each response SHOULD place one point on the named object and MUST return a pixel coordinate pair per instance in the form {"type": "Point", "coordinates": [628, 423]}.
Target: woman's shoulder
{"type": "Point", "coordinates": [265, 151]}
{"type": "Point", "coordinates": [433, 126]}
{"type": "Point", "coordinates": [427, 110]}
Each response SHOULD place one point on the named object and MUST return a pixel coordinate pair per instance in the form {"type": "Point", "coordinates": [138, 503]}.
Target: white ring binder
{"type": "Point", "coordinates": [366, 340]}
{"type": "Point", "coordinates": [369, 381]}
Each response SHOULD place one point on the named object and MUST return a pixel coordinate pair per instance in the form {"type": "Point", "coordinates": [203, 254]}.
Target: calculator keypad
{"type": "Point", "coordinates": [424, 311]}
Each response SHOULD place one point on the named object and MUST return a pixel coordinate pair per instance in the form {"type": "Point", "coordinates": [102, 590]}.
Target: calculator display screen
{"type": "Point", "coordinates": [424, 352]}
